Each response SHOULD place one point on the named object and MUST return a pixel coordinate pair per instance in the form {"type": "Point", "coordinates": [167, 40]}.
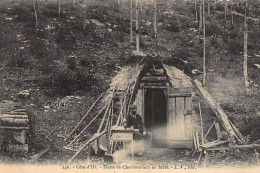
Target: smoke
{"type": "Point", "coordinates": [125, 154]}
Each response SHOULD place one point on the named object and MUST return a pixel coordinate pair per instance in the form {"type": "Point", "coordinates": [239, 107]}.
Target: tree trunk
{"type": "Point", "coordinates": [208, 8]}
{"type": "Point", "coordinates": [196, 11]}
{"type": "Point", "coordinates": [245, 45]}
{"type": "Point", "coordinates": [131, 21]}
{"type": "Point", "coordinates": [137, 26]}
{"type": "Point", "coordinates": [59, 8]}
{"type": "Point", "coordinates": [225, 10]}
{"type": "Point", "coordinates": [35, 14]}
{"type": "Point", "coordinates": [200, 23]}
{"type": "Point", "coordinates": [232, 17]}
{"type": "Point", "coordinates": [73, 3]}
{"type": "Point", "coordinates": [204, 43]}
{"type": "Point", "coordinates": [141, 6]}
{"type": "Point", "coordinates": [154, 20]}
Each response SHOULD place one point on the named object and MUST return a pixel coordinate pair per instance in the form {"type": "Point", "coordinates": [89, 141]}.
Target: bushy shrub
{"type": "Point", "coordinates": [220, 7]}
{"type": "Point", "coordinates": [65, 38]}
{"type": "Point", "coordinates": [213, 29]}
{"type": "Point", "coordinates": [235, 47]}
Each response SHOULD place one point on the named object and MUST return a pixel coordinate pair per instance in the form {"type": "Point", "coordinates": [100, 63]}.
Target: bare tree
{"type": "Point", "coordinates": [208, 7]}
{"type": "Point", "coordinates": [131, 21]}
{"type": "Point", "coordinates": [154, 19]}
{"type": "Point", "coordinates": [225, 4]}
{"type": "Point", "coordinates": [137, 26]}
{"type": "Point", "coordinates": [35, 14]}
{"type": "Point", "coordinates": [200, 22]}
{"type": "Point", "coordinates": [245, 45]}
{"type": "Point", "coordinates": [204, 42]}
{"type": "Point", "coordinates": [196, 11]}
{"type": "Point", "coordinates": [59, 8]}
{"type": "Point", "coordinates": [232, 17]}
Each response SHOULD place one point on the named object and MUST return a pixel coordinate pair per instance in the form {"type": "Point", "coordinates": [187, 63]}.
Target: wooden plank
{"type": "Point", "coordinates": [220, 114]}
{"type": "Point", "coordinates": [154, 87]}
{"type": "Point", "coordinates": [154, 79]}
{"type": "Point", "coordinates": [155, 84]}
{"type": "Point", "coordinates": [171, 119]}
{"type": "Point", "coordinates": [188, 117]}
{"type": "Point", "coordinates": [180, 95]}
{"type": "Point", "coordinates": [180, 125]}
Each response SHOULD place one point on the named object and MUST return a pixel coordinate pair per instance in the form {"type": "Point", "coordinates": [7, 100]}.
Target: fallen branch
{"type": "Point", "coordinates": [86, 144]}
{"type": "Point", "coordinates": [35, 157]}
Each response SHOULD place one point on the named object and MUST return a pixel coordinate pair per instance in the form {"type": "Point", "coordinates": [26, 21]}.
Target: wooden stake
{"type": "Point", "coordinates": [201, 127]}
{"type": "Point", "coordinates": [35, 14]}
{"type": "Point", "coordinates": [82, 119]}
{"type": "Point", "coordinates": [209, 130]}
{"type": "Point", "coordinates": [256, 156]}
{"type": "Point", "coordinates": [88, 124]}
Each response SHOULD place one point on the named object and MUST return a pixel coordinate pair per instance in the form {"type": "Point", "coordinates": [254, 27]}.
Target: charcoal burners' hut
{"type": "Point", "coordinates": [163, 95]}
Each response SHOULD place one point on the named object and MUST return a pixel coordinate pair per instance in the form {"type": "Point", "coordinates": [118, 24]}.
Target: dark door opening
{"type": "Point", "coordinates": [156, 116]}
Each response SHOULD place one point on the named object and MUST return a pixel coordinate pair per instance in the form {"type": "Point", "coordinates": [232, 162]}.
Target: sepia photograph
{"type": "Point", "coordinates": [129, 86]}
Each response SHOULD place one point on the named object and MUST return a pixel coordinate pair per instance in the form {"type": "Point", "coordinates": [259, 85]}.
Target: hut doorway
{"type": "Point", "coordinates": [155, 116]}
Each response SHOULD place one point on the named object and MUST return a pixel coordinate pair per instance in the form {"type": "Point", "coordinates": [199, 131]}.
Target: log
{"type": "Point", "coordinates": [14, 128]}
{"type": "Point", "coordinates": [86, 144]}
{"type": "Point", "coordinates": [13, 116]}
{"type": "Point", "coordinates": [220, 114]}
{"type": "Point", "coordinates": [213, 144]}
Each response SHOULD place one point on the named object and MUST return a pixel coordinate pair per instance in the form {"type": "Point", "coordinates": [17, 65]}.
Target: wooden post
{"type": "Point", "coordinates": [217, 130]}
{"type": "Point", "coordinates": [154, 20]}
{"type": "Point", "coordinates": [137, 27]}
{"type": "Point", "coordinates": [35, 14]}
{"type": "Point", "coordinates": [131, 21]}
{"type": "Point", "coordinates": [201, 126]}
{"type": "Point", "coordinates": [204, 43]}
